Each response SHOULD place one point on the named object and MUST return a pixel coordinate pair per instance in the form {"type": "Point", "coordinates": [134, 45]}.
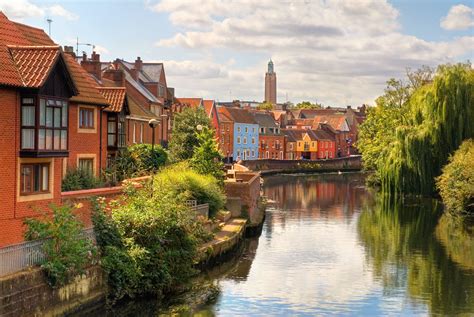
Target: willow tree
{"type": "Point", "coordinates": [439, 116]}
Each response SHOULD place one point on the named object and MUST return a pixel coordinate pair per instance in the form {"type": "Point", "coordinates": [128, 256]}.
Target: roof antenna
{"type": "Point", "coordinates": [49, 20]}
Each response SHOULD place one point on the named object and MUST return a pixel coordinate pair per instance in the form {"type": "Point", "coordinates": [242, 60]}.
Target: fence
{"type": "Point", "coordinates": [20, 256]}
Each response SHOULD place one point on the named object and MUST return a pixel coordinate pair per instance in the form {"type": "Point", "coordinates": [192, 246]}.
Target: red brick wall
{"type": "Point", "coordinates": [147, 132]}
{"type": "Point", "coordinates": [270, 141]}
{"type": "Point", "coordinates": [331, 149]}
{"type": "Point", "coordinates": [226, 138]}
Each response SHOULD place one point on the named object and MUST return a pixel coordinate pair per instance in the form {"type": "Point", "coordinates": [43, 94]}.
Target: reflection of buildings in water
{"type": "Point", "coordinates": [322, 196]}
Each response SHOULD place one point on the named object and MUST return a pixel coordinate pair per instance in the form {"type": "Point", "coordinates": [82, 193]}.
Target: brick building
{"type": "Point", "coordinates": [270, 84]}
{"type": "Point", "coordinates": [271, 139]}
{"type": "Point", "coordinates": [226, 135]}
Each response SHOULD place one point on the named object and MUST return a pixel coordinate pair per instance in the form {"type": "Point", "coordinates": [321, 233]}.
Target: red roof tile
{"type": "Point", "coordinates": [34, 63]}
{"type": "Point", "coordinates": [86, 86]}
{"type": "Point", "coordinates": [192, 102]}
{"type": "Point", "coordinates": [336, 121]}
{"type": "Point", "coordinates": [208, 106]}
{"type": "Point", "coordinates": [115, 96]}
{"type": "Point", "coordinates": [34, 35]}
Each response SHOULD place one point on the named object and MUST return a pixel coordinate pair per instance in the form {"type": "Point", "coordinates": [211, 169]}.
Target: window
{"type": "Point", "coordinates": [253, 130]}
{"type": "Point", "coordinates": [238, 140]}
{"type": "Point", "coordinates": [291, 146]}
{"type": "Point", "coordinates": [86, 118]}
{"type": "Point", "coordinates": [112, 131]}
{"type": "Point", "coordinates": [253, 153]}
{"type": "Point", "coordinates": [253, 140]}
{"type": "Point", "coordinates": [86, 164]}
{"type": "Point", "coordinates": [34, 178]}
{"type": "Point", "coordinates": [161, 91]}
{"type": "Point", "coordinates": [238, 129]}
{"type": "Point", "coordinates": [121, 132]}
{"type": "Point", "coordinates": [245, 140]}
{"type": "Point", "coordinates": [141, 133]}
{"type": "Point", "coordinates": [134, 138]}
{"type": "Point", "coordinates": [246, 130]}
{"type": "Point", "coordinates": [44, 126]}
{"type": "Point", "coordinates": [262, 130]}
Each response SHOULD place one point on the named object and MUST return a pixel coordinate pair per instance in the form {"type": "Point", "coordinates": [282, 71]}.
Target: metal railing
{"type": "Point", "coordinates": [200, 210]}
{"type": "Point", "coordinates": [20, 256]}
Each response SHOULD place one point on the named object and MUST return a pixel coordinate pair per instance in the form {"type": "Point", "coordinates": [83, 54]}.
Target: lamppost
{"type": "Point", "coordinates": [153, 123]}
{"type": "Point", "coordinates": [163, 118]}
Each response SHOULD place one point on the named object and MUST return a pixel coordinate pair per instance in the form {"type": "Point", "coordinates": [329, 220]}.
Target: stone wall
{"type": "Point", "coordinates": [246, 186]}
{"type": "Point", "coordinates": [345, 163]}
{"type": "Point", "coordinates": [27, 294]}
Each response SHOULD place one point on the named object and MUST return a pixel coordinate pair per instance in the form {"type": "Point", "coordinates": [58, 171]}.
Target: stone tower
{"type": "Point", "coordinates": [270, 85]}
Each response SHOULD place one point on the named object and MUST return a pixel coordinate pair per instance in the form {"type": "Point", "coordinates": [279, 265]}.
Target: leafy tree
{"type": "Point", "coordinates": [307, 105]}
{"type": "Point", "coordinates": [266, 106]}
{"type": "Point", "coordinates": [76, 179]}
{"type": "Point", "coordinates": [207, 159]}
{"type": "Point", "coordinates": [184, 137]}
{"type": "Point", "coordinates": [456, 183]}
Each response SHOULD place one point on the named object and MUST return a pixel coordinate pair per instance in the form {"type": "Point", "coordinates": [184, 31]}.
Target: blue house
{"type": "Point", "coordinates": [245, 145]}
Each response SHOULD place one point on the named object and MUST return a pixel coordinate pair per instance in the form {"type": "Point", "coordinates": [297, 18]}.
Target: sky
{"type": "Point", "coordinates": [334, 52]}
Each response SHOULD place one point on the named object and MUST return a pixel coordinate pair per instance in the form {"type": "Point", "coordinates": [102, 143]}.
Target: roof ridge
{"type": "Point", "coordinates": [33, 46]}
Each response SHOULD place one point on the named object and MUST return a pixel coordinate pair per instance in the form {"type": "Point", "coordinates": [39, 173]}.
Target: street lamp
{"type": "Point", "coordinates": [199, 127]}
{"type": "Point", "coordinates": [163, 118]}
{"type": "Point", "coordinates": [153, 123]}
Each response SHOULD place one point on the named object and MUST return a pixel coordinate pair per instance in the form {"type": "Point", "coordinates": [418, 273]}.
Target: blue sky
{"type": "Point", "coordinates": [331, 51]}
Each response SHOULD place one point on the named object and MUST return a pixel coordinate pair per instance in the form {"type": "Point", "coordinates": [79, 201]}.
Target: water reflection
{"type": "Point", "coordinates": [330, 247]}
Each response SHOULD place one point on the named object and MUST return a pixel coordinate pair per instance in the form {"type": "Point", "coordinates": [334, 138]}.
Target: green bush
{"type": "Point", "coordinates": [77, 179]}
{"type": "Point", "coordinates": [456, 183]}
{"type": "Point", "coordinates": [148, 244]}
{"type": "Point", "coordinates": [137, 160]}
{"type": "Point", "coordinates": [207, 159]}
{"type": "Point", "coordinates": [180, 179]}
{"type": "Point", "coordinates": [67, 250]}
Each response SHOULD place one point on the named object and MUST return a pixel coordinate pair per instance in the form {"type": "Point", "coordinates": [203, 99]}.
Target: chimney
{"type": "Point", "coordinates": [137, 67]}
{"type": "Point", "coordinates": [115, 75]}
{"type": "Point", "coordinates": [92, 66]}
{"type": "Point", "coordinates": [69, 50]}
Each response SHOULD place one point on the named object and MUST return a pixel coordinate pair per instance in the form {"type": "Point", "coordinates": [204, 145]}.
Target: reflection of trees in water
{"type": "Point", "coordinates": [401, 245]}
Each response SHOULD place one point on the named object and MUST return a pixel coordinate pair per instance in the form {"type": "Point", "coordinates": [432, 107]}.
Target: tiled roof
{"type": "Point", "coordinates": [208, 106]}
{"type": "Point", "coordinates": [115, 96]}
{"type": "Point", "coordinates": [191, 102]}
{"type": "Point", "coordinates": [153, 71]}
{"type": "Point", "coordinates": [336, 121]}
{"type": "Point", "coordinates": [223, 117]}
{"type": "Point", "coordinates": [239, 115]}
{"type": "Point", "coordinates": [136, 84]}
{"type": "Point", "coordinates": [34, 63]}
{"type": "Point", "coordinates": [138, 111]}
{"type": "Point", "coordinates": [86, 86]}
{"type": "Point", "coordinates": [293, 134]}
{"type": "Point", "coordinates": [34, 35]}
{"type": "Point", "coordinates": [265, 119]}
{"type": "Point", "coordinates": [323, 135]}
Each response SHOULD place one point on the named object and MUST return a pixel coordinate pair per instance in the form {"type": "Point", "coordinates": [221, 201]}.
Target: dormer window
{"type": "Point", "coordinates": [44, 126]}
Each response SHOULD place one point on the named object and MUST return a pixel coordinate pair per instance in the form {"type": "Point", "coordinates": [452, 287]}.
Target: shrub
{"type": "Point", "coordinates": [207, 159]}
{"type": "Point", "coordinates": [67, 250]}
{"type": "Point", "coordinates": [137, 160]}
{"type": "Point", "coordinates": [456, 183]}
{"type": "Point", "coordinates": [181, 180]}
{"type": "Point", "coordinates": [148, 244]}
{"type": "Point", "coordinates": [77, 179]}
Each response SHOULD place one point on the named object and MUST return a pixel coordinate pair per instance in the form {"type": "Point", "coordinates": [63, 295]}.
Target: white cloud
{"type": "Point", "coordinates": [21, 9]}
{"type": "Point", "coordinates": [57, 10]}
{"type": "Point", "coordinates": [100, 49]}
{"type": "Point", "coordinates": [334, 51]}
{"type": "Point", "coordinates": [460, 17]}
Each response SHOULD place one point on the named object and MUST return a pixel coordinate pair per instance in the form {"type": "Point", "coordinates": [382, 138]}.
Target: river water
{"type": "Point", "coordinates": [329, 246]}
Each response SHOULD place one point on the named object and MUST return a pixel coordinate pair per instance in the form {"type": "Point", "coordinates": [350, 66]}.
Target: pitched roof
{"type": "Point", "coordinates": [336, 121]}
{"type": "Point", "coordinates": [34, 63]}
{"type": "Point", "coordinates": [34, 35]}
{"type": "Point", "coordinates": [297, 134]}
{"type": "Point", "coordinates": [208, 104]}
{"type": "Point", "coordinates": [153, 71]}
{"type": "Point", "coordinates": [323, 135]}
{"type": "Point", "coordinates": [223, 117]}
{"type": "Point", "coordinates": [239, 115]}
{"type": "Point", "coordinates": [87, 87]}
{"type": "Point", "coordinates": [278, 113]}
{"type": "Point", "coordinates": [115, 96]}
{"type": "Point", "coordinates": [264, 119]}
{"type": "Point", "coordinates": [138, 111]}
{"type": "Point", "coordinates": [126, 66]}
{"type": "Point", "coordinates": [191, 102]}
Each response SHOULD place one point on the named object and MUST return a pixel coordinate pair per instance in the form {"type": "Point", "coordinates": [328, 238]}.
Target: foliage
{"type": "Point", "coordinates": [137, 160]}
{"type": "Point", "coordinates": [307, 105]}
{"type": "Point", "coordinates": [456, 183]}
{"type": "Point", "coordinates": [67, 250]}
{"type": "Point", "coordinates": [148, 243]}
{"type": "Point", "coordinates": [181, 180]}
{"type": "Point", "coordinates": [77, 179]}
{"type": "Point", "coordinates": [184, 137]}
{"type": "Point", "coordinates": [207, 159]}
{"type": "Point", "coordinates": [265, 106]}
{"type": "Point", "coordinates": [409, 136]}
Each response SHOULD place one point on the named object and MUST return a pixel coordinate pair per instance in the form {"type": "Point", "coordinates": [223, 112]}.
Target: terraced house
{"type": "Point", "coordinates": [246, 139]}
{"type": "Point", "coordinates": [271, 139]}
{"type": "Point", "coordinates": [52, 122]}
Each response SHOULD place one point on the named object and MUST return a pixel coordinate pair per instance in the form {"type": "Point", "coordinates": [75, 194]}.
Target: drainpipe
{"type": "Point", "coordinates": [100, 142]}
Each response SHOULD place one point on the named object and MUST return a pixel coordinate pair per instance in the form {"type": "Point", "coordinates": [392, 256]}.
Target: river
{"type": "Point", "coordinates": [329, 246]}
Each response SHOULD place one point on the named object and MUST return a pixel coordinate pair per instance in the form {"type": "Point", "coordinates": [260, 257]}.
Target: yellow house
{"type": "Point", "coordinates": [306, 145]}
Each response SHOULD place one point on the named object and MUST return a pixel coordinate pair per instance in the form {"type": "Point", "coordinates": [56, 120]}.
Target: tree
{"type": "Point", "coordinates": [265, 106]}
{"type": "Point", "coordinates": [423, 123]}
{"type": "Point", "coordinates": [207, 159]}
{"type": "Point", "coordinates": [184, 137]}
{"type": "Point", "coordinates": [307, 105]}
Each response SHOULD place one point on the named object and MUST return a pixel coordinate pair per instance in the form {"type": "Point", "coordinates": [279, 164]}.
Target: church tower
{"type": "Point", "coordinates": [270, 85]}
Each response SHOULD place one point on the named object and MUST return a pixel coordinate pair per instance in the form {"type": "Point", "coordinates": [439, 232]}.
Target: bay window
{"type": "Point", "coordinates": [44, 124]}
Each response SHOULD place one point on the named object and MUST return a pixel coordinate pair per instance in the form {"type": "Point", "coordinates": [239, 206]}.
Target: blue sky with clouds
{"type": "Point", "coordinates": [331, 51]}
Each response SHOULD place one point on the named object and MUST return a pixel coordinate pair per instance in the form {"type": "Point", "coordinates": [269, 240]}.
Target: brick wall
{"type": "Point", "coordinates": [247, 188]}
{"type": "Point", "coordinates": [353, 162]}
